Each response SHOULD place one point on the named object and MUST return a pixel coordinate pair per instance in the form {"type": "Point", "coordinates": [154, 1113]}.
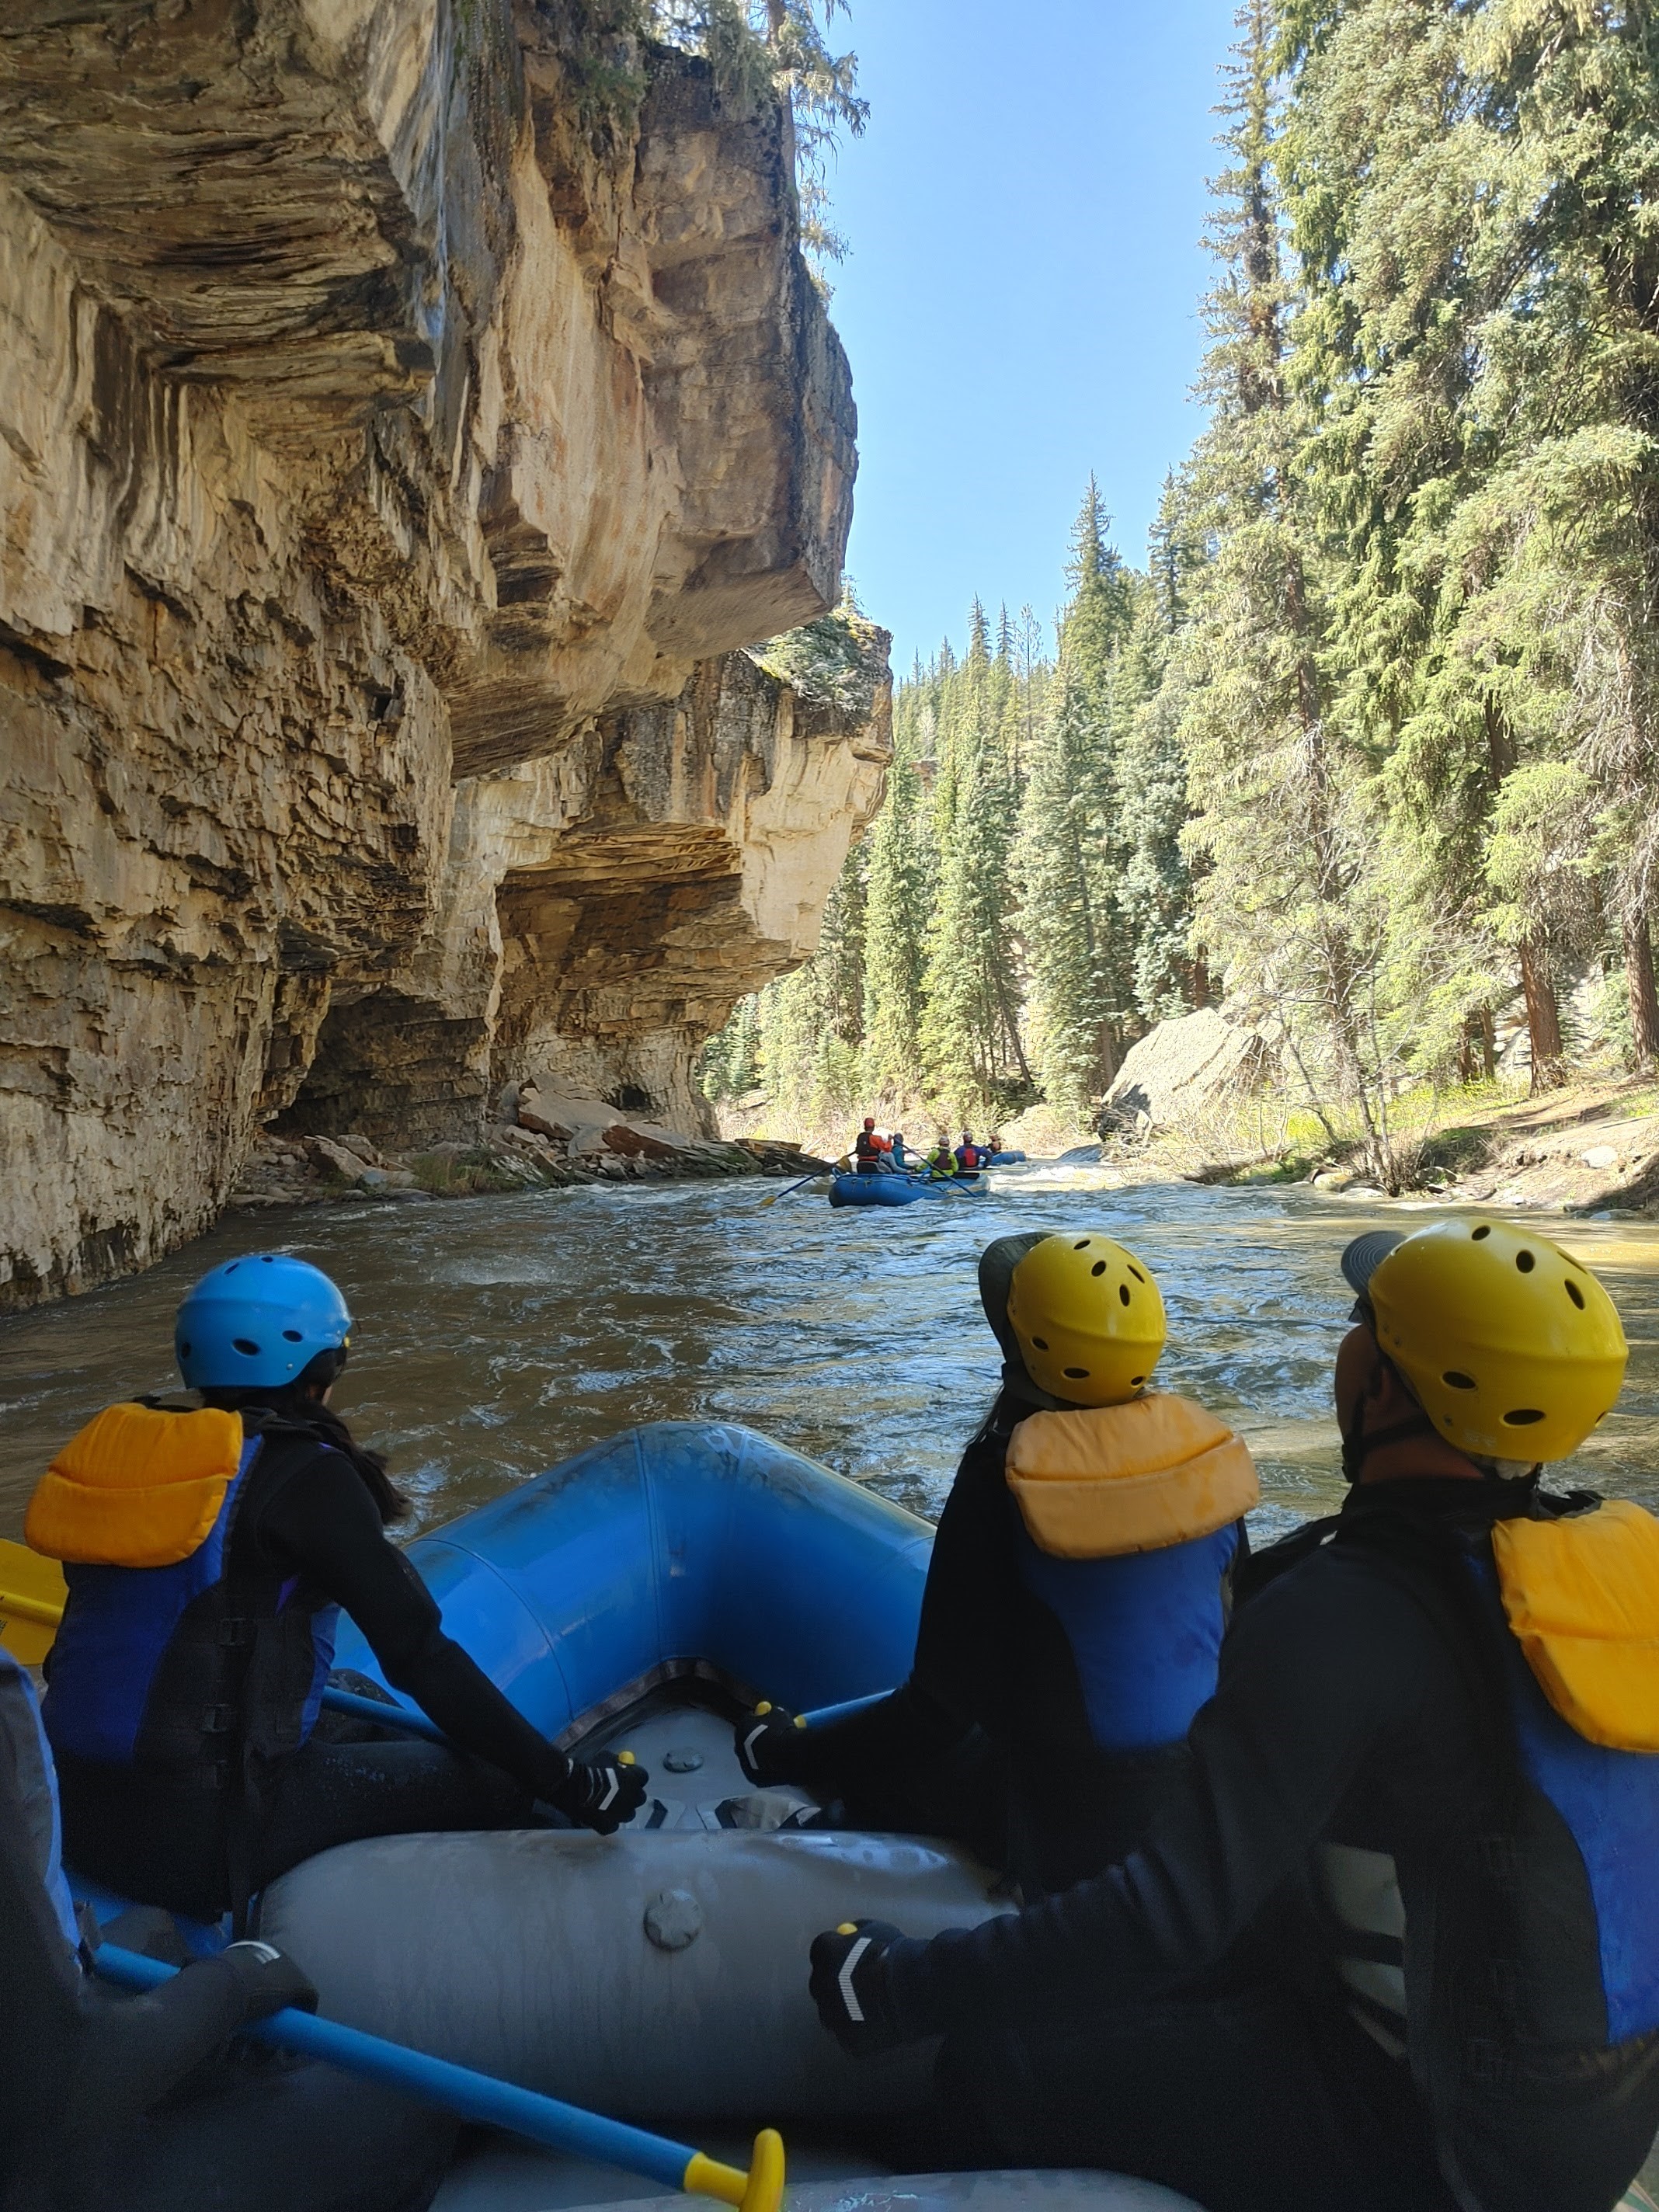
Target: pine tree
{"type": "Point", "coordinates": [973, 1056]}
{"type": "Point", "coordinates": [1279, 836]}
{"type": "Point", "coordinates": [896, 924]}
{"type": "Point", "coordinates": [1155, 893]}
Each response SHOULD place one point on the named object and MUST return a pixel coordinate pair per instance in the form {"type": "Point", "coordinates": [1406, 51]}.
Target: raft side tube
{"type": "Point", "coordinates": [652, 1975]}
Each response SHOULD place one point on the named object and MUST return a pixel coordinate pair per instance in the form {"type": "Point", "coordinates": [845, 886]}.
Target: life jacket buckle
{"type": "Point", "coordinates": [219, 1720]}
{"type": "Point", "coordinates": [234, 1633]}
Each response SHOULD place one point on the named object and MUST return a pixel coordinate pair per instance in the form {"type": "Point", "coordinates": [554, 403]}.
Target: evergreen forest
{"type": "Point", "coordinates": [1367, 748]}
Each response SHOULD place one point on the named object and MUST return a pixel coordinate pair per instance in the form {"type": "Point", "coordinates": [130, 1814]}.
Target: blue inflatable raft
{"type": "Point", "coordinates": [641, 1596]}
{"type": "Point", "coordinates": [900, 1189]}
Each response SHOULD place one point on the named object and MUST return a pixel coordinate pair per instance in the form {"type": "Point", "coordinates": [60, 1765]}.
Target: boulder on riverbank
{"type": "Point", "coordinates": [1184, 1068]}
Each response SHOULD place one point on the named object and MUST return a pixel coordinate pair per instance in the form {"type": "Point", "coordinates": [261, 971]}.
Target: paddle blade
{"type": "Point", "coordinates": [32, 1600]}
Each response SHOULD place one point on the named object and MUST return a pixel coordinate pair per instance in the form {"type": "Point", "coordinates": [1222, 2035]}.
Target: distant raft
{"type": "Point", "coordinates": [900, 1189]}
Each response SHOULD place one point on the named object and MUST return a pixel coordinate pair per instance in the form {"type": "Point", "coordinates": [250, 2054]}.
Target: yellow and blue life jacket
{"type": "Point", "coordinates": [167, 1657]}
{"type": "Point", "coordinates": [1578, 1598]}
{"type": "Point", "coordinates": [1129, 1525]}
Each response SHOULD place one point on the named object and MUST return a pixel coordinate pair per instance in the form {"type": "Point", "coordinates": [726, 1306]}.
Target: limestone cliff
{"type": "Point", "coordinates": [398, 436]}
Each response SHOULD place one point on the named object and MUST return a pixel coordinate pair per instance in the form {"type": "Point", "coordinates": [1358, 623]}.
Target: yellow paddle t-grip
{"type": "Point", "coordinates": [848, 1927]}
{"type": "Point", "coordinates": [760, 2190]}
{"type": "Point", "coordinates": [32, 1597]}
{"type": "Point", "coordinates": [624, 1759]}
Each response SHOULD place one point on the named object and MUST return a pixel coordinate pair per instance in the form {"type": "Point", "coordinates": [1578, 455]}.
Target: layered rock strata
{"type": "Point", "coordinates": [397, 437]}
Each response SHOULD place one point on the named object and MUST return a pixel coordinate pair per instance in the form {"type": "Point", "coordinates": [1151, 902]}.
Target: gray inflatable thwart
{"type": "Point", "coordinates": [657, 1976]}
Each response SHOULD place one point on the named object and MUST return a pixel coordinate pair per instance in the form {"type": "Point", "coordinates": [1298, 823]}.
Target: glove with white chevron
{"type": "Point", "coordinates": [849, 1986]}
{"type": "Point", "coordinates": [603, 1795]}
{"type": "Point", "coordinates": [769, 1742]}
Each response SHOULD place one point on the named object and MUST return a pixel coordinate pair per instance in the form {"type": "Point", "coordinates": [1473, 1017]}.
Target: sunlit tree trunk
{"type": "Point", "coordinates": [1643, 998]}
{"type": "Point", "coordinates": [1543, 1017]}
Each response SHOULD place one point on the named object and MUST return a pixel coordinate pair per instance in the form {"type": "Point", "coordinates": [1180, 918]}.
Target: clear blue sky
{"type": "Point", "coordinates": [1020, 302]}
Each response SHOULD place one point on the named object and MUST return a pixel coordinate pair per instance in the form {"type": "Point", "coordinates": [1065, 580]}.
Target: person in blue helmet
{"type": "Point", "coordinates": [208, 1553]}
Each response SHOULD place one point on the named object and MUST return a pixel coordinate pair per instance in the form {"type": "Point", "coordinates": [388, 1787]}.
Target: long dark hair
{"type": "Point", "coordinates": [299, 1404]}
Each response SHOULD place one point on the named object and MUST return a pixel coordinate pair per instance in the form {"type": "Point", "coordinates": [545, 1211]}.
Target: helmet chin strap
{"type": "Point", "coordinates": [1016, 1381]}
{"type": "Point", "coordinates": [1357, 1447]}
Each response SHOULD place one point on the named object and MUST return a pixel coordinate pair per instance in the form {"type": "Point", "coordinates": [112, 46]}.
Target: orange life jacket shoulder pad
{"type": "Point", "coordinates": [136, 1488]}
{"type": "Point", "coordinates": [1106, 1480]}
{"type": "Point", "coordinates": [1581, 1598]}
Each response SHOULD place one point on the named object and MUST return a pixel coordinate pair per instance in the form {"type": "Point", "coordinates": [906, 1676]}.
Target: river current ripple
{"type": "Point", "coordinates": [495, 1336]}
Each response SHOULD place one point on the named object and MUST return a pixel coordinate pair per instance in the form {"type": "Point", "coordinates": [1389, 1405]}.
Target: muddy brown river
{"type": "Point", "coordinates": [494, 1336]}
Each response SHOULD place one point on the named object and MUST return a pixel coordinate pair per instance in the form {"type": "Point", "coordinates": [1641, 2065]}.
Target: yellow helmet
{"type": "Point", "coordinates": [1088, 1318]}
{"type": "Point", "coordinates": [1513, 1349]}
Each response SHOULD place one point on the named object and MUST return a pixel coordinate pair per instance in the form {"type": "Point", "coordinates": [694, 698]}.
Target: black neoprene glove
{"type": "Point", "coordinates": [604, 1795]}
{"type": "Point", "coordinates": [268, 1980]}
{"type": "Point", "coordinates": [767, 1741]}
{"type": "Point", "coordinates": [849, 1986]}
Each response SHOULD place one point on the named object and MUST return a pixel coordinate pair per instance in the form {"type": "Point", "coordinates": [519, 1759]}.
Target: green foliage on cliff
{"type": "Point", "coordinates": [757, 46]}
{"type": "Point", "coordinates": [838, 661]}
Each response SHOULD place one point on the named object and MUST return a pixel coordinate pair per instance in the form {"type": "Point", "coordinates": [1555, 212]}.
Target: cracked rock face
{"type": "Point", "coordinates": [393, 460]}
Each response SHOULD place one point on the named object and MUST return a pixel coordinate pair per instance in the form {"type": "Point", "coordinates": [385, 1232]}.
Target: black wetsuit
{"type": "Point", "coordinates": [157, 1836]}
{"type": "Point", "coordinates": [89, 2117]}
{"type": "Point", "coordinates": [988, 1739]}
{"type": "Point", "coordinates": [1354, 1712]}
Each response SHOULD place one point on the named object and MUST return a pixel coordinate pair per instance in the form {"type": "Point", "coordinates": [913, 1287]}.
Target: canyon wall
{"type": "Point", "coordinates": [408, 413]}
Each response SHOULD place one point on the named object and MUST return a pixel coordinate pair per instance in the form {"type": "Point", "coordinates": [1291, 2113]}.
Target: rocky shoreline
{"type": "Point", "coordinates": [545, 1146]}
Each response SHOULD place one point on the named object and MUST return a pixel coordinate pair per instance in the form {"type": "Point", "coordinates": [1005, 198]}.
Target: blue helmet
{"type": "Point", "coordinates": [257, 1323]}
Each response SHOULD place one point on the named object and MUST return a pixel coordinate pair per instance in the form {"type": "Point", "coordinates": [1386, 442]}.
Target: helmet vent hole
{"type": "Point", "coordinates": [1525, 1262]}
{"type": "Point", "coordinates": [1123, 1294]}
{"type": "Point", "coordinates": [1099, 1267]}
{"type": "Point", "coordinates": [1457, 1381]}
{"type": "Point", "coordinates": [293, 1336]}
{"type": "Point", "coordinates": [241, 1344]}
{"type": "Point", "coordinates": [1083, 1244]}
{"type": "Point", "coordinates": [184, 1352]}
{"type": "Point", "coordinates": [1041, 1343]}
{"type": "Point", "coordinates": [1136, 1273]}
{"type": "Point", "coordinates": [1522, 1417]}
{"type": "Point", "coordinates": [1075, 1374]}
{"type": "Point", "coordinates": [1575, 1295]}
{"type": "Point", "coordinates": [1485, 1229]}
{"type": "Point", "coordinates": [1135, 1381]}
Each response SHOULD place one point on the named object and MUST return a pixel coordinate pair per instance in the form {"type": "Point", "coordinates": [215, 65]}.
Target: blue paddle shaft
{"type": "Point", "coordinates": [825, 1714]}
{"type": "Point", "coordinates": [475, 2096]}
{"type": "Point", "coordinates": [391, 1717]}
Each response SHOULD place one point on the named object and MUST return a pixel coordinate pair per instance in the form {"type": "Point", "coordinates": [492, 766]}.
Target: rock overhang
{"type": "Point", "coordinates": [392, 460]}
